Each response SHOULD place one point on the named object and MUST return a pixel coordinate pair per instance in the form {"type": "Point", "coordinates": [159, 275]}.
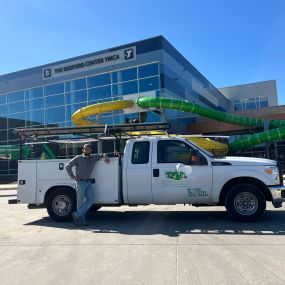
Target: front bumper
{"type": "Point", "coordinates": [278, 195]}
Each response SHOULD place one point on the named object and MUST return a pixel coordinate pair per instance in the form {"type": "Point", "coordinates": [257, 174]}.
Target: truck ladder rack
{"type": "Point", "coordinates": [100, 129]}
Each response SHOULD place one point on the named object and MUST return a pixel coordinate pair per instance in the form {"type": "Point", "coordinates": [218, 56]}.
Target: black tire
{"type": "Point", "coordinates": [60, 203]}
{"type": "Point", "coordinates": [245, 202]}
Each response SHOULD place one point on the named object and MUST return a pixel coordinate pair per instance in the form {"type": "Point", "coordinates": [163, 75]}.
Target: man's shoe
{"type": "Point", "coordinates": [75, 219]}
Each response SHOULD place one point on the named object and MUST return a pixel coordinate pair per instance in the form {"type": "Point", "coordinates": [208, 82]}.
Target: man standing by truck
{"type": "Point", "coordinates": [84, 164]}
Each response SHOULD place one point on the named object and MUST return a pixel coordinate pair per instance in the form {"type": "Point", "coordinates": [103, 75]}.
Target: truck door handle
{"type": "Point", "coordinates": [155, 172]}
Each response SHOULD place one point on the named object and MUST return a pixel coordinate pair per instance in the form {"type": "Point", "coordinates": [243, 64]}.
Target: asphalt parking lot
{"type": "Point", "coordinates": [141, 245]}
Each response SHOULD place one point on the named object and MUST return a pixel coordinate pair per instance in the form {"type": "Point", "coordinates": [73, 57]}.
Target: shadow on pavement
{"type": "Point", "coordinates": [173, 223]}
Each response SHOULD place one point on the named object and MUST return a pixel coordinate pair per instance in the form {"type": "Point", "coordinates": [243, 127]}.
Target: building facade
{"type": "Point", "coordinates": [48, 95]}
{"type": "Point", "coordinates": [255, 95]}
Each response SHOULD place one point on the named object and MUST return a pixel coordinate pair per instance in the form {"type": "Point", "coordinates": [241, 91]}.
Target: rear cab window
{"type": "Point", "coordinates": [140, 153]}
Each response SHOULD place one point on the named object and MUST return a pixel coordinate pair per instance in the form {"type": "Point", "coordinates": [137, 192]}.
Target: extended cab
{"type": "Point", "coordinates": [162, 171]}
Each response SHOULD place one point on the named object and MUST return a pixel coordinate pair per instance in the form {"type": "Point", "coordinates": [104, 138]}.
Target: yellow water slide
{"type": "Point", "coordinates": [80, 118]}
{"type": "Point", "coordinates": [206, 143]}
{"type": "Point", "coordinates": [212, 146]}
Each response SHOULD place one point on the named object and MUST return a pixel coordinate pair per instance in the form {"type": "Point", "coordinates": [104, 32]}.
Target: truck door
{"type": "Point", "coordinates": [139, 173]}
{"type": "Point", "coordinates": [178, 177]}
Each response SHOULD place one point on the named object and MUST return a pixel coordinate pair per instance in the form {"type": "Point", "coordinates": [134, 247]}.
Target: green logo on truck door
{"type": "Point", "coordinates": [176, 175]}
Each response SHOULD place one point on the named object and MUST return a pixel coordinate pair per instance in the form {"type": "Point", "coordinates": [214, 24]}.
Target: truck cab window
{"type": "Point", "coordinates": [169, 151]}
{"type": "Point", "coordinates": [140, 154]}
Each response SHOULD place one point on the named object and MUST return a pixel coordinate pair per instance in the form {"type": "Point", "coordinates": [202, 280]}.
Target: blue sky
{"type": "Point", "coordinates": [230, 42]}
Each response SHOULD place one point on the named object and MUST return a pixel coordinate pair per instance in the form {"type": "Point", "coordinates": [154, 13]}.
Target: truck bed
{"type": "Point", "coordinates": [35, 177]}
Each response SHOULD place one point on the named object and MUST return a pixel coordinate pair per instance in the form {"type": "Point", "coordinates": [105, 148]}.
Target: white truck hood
{"type": "Point", "coordinates": [236, 160]}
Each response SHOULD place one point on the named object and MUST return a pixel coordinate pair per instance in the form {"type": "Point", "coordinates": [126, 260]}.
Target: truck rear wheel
{"type": "Point", "coordinates": [245, 202]}
{"type": "Point", "coordinates": [61, 203]}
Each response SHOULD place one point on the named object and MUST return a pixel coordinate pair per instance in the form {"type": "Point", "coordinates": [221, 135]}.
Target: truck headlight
{"type": "Point", "coordinates": [273, 172]}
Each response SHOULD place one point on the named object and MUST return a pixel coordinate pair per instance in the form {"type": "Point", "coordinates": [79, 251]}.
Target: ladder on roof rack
{"type": "Point", "coordinates": [100, 129]}
{"type": "Point", "coordinates": [114, 130]}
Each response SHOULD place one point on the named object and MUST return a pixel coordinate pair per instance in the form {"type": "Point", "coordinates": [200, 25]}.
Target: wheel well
{"type": "Point", "coordinates": [50, 190]}
{"type": "Point", "coordinates": [247, 180]}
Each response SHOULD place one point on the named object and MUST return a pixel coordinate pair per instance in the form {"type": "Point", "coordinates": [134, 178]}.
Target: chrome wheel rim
{"type": "Point", "coordinates": [61, 205]}
{"type": "Point", "coordinates": [246, 203]}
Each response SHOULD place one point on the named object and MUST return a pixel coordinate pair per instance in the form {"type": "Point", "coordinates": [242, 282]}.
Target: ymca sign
{"type": "Point", "coordinates": [89, 63]}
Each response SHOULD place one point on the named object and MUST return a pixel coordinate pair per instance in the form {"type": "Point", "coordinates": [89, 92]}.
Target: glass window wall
{"type": "Point", "coordinates": [148, 84]}
{"type": "Point", "coordinates": [3, 98]}
{"type": "Point", "coordinates": [15, 96]}
{"type": "Point", "coordinates": [54, 89]}
{"type": "Point", "coordinates": [74, 85]}
{"type": "Point", "coordinates": [35, 104]}
{"type": "Point", "coordinates": [76, 97]}
{"type": "Point", "coordinates": [3, 110]}
{"type": "Point", "coordinates": [70, 109]}
{"type": "Point", "coordinates": [99, 93]}
{"type": "Point", "coordinates": [114, 77]}
{"type": "Point", "coordinates": [55, 115]}
{"type": "Point", "coordinates": [35, 118]}
{"type": "Point", "coordinates": [34, 93]}
{"type": "Point", "coordinates": [99, 80]}
{"type": "Point", "coordinates": [127, 74]}
{"type": "Point", "coordinates": [16, 120]}
{"type": "Point", "coordinates": [250, 103]}
{"type": "Point", "coordinates": [263, 102]}
{"type": "Point", "coordinates": [53, 101]}
{"type": "Point", "coordinates": [127, 88]}
{"type": "Point", "coordinates": [148, 70]}
{"type": "Point", "coordinates": [16, 107]}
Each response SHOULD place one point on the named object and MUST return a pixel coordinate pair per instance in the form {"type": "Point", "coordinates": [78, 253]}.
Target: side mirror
{"type": "Point", "coordinates": [197, 158]}
{"type": "Point", "coordinates": [194, 155]}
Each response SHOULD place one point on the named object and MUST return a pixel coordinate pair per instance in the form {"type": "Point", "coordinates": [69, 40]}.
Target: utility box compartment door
{"type": "Point", "coordinates": [107, 186]}
{"type": "Point", "coordinates": [27, 181]}
{"type": "Point", "coordinates": [53, 169]}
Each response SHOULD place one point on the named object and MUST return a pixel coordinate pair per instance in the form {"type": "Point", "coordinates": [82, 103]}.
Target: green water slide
{"type": "Point", "coordinates": [49, 152]}
{"type": "Point", "coordinates": [276, 127]}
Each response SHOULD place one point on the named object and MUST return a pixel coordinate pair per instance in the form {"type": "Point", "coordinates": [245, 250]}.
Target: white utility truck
{"type": "Point", "coordinates": [159, 170]}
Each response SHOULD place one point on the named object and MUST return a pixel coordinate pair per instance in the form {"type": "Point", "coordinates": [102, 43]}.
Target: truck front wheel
{"type": "Point", "coordinates": [245, 202]}
{"type": "Point", "coordinates": [61, 203]}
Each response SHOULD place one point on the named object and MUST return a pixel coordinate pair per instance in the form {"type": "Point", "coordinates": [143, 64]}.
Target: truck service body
{"type": "Point", "coordinates": [158, 170]}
